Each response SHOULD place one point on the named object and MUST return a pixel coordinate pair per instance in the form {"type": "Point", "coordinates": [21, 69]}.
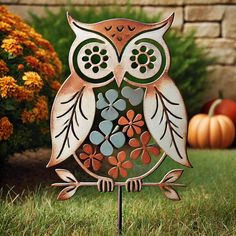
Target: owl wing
{"type": "Point", "coordinates": [166, 118]}
{"type": "Point", "coordinates": [72, 117]}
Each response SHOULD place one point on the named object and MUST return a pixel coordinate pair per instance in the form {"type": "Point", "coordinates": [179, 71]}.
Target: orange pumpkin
{"type": "Point", "coordinates": [211, 131]}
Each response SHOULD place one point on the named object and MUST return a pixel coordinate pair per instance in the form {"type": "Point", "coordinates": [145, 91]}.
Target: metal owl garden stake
{"type": "Point", "coordinates": [119, 114]}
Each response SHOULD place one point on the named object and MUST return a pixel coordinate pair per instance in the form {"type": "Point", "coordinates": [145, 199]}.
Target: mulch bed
{"type": "Point", "coordinates": [26, 170]}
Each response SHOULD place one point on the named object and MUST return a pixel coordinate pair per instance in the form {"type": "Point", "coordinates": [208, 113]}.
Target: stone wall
{"type": "Point", "coordinates": [213, 20]}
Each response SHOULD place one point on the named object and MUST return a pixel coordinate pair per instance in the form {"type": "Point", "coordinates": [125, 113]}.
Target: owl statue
{"type": "Point", "coordinates": [119, 114]}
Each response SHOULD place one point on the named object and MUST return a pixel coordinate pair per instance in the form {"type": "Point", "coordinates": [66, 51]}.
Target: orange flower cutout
{"type": "Point", "coordinates": [131, 123]}
{"type": "Point", "coordinates": [143, 148]}
{"type": "Point", "coordinates": [91, 157]}
{"type": "Point", "coordinates": [120, 165]}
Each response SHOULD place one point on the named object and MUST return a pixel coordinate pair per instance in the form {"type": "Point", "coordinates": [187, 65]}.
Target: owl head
{"type": "Point", "coordinates": [119, 49]}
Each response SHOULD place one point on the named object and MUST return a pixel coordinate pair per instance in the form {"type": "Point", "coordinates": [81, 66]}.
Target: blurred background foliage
{"type": "Point", "coordinates": [189, 61]}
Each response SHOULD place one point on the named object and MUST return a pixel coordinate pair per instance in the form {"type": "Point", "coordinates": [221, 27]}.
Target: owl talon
{"type": "Point", "coordinates": [133, 185]}
{"type": "Point", "coordinates": [105, 185]}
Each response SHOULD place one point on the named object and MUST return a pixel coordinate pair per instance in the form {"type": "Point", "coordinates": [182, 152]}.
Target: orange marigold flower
{"type": "Point", "coordinates": [5, 16]}
{"type": "Point", "coordinates": [143, 148]}
{"type": "Point", "coordinates": [19, 35]}
{"type": "Point", "coordinates": [8, 86]}
{"type": "Point", "coordinates": [20, 67]}
{"type": "Point", "coordinates": [22, 78]}
{"type": "Point", "coordinates": [120, 165]}
{"type": "Point", "coordinates": [48, 70]}
{"type": "Point", "coordinates": [42, 55]}
{"type": "Point", "coordinates": [12, 46]}
{"type": "Point", "coordinates": [5, 27]}
{"type": "Point", "coordinates": [32, 61]}
{"type": "Point", "coordinates": [28, 116]}
{"type": "Point", "coordinates": [131, 123]}
{"type": "Point", "coordinates": [55, 85]}
{"type": "Point", "coordinates": [41, 108]}
{"type": "Point", "coordinates": [23, 94]}
{"type": "Point", "coordinates": [3, 68]}
{"type": "Point", "coordinates": [14, 18]}
{"type": "Point", "coordinates": [23, 26]}
{"type": "Point", "coordinates": [33, 34]}
{"type": "Point", "coordinates": [31, 45]}
{"type": "Point", "coordinates": [7, 19]}
{"type": "Point", "coordinates": [45, 44]}
{"type": "Point", "coordinates": [91, 157]}
{"type": "Point", "coordinates": [33, 81]}
{"type": "Point", "coordinates": [6, 128]}
{"type": "Point", "coordinates": [3, 9]}
{"type": "Point", "coordinates": [38, 113]}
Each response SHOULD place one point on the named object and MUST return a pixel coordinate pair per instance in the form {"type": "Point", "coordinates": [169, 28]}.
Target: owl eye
{"type": "Point", "coordinates": [92, 61]}
{"type": "Point", "coordinates": [95, 59]}
{"type": "Point", "coordinates": [147, 61]}
{"type": "Point", "coordinates": [143, 59]}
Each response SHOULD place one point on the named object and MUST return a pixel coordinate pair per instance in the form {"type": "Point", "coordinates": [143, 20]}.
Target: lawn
{"type": "Point", "coordinates": [208, 205]}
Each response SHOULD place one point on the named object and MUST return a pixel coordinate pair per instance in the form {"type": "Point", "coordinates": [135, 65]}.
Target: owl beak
{"type": "Point", "coordinates": [119, 74]}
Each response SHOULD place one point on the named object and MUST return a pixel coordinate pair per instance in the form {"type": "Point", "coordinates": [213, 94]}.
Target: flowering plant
{"type": "Point", "coordinates": [29, 72]}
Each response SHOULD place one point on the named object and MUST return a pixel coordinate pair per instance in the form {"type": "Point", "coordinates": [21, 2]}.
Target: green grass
{"type": "Point", "coordinates": [208, 206]}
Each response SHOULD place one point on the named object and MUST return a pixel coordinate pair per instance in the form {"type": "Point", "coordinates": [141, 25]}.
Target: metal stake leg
{"type": "Point", "coordinates": [119, 219]}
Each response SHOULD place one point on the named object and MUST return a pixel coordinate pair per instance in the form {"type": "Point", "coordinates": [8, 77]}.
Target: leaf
{"type": "Point", "coordinates": [170, 193]}
{"type": "Point", "coordinates": [72, 117]}
{"type": "Point", "coordinates": [166, 118]}
{"type": "Point", "coordinates": [66, 175]}
{"type": "Point", "coordinates": [11, 56]}
{"type": "Point", "coordinates": [67, 193]}
{"type": "Point", "coordinates": [10, 105]}
{"type": "Point", "coordinates": [172, 176]}
{"type": "Point", "coordinates": [70, 120]}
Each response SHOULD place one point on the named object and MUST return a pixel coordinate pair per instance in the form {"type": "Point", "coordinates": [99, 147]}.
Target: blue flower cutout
{"type": "Point", "coordinates": [107, 137]}
{"type": "Point", "coordinates": [135, 96]}
{"type": "Point", "coordinates": [110, 104]}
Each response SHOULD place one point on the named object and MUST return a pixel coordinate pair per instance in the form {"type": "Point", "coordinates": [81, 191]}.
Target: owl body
{"type": "Point", "coordinates": [119, 109]}
{"type": "Point", "coordinates": [119, 130]}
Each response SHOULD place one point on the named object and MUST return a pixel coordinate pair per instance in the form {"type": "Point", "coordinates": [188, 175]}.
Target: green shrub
{"type": "Point", "coordinates": [189, 61]}
{"type": "Point", "coordinates": [29, 70]}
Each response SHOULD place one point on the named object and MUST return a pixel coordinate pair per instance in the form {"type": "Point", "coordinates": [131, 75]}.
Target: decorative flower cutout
{"type": "Point", "coordinates": [131, 123]}
{"type": "Point", "coordinates": [142, 58]}
{"type": "Point", "coordinates": [110, 104]}
{"type": "Point", "coordinates": [143, 148]}
{"type": "Point", "coordinates": [107, 137]}
{"type": "Point", "coordinates": [91, 157]}
{"type": "Point", "coordinates": [95, 58]}
{"type": "Point", "coordinates": [135, 96]}
{"type": "Point", "coordinates": [120, 165]}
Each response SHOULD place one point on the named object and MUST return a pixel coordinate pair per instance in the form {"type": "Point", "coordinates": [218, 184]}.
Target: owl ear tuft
{"type": "Point", "coordinates": [72, 22]}
{"type": "Point", "coordinates": [164, 25]}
